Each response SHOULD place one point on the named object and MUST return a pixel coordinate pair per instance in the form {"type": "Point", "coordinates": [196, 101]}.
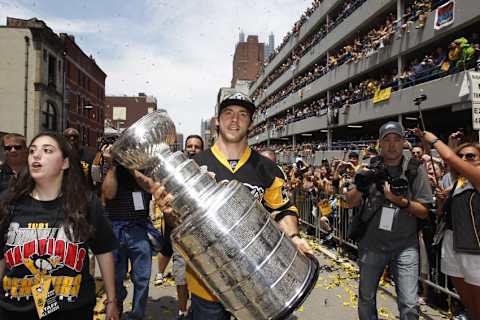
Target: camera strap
{"type": "Point", "coordinates": [412, 171]}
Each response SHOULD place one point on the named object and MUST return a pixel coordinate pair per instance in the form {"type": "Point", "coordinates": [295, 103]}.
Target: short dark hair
{"type": "Point", "coordinates": [353, 154]}
{"type": "Point", "coordinates": [15, 136]}
{"type": "Point", "coordinates": [71, 131]}
{"type": "Point", "coordinates": [418, 146]}
{"type": "Point", "coordinates": [194, 136]}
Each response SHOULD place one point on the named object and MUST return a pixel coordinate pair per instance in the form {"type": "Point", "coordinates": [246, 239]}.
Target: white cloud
{"type": "Point", "coordinates": [8, 9]}
{"type": "Point", "coordinates": [181, 52]}
{"type": "Point", "coordinates": [57, 24]}
{"type": "Point", "coordinates": [202, 36]}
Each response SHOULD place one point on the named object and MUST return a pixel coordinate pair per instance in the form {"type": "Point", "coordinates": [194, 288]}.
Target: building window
{"type": "Point", "coordinates": [52, 70]}
{"type": "Point", "coordinates": [85, 136]}
{"type": "Point", "coordinates": [49, 117]}
{"type": "Point", "coordinates": [67, 68]}
{"type": "Point", "coordinates": [82, 105]}
{"type": "Point", "coordinates": [79, 104]}
{"type": "Point", "coordinates": [86, 111]}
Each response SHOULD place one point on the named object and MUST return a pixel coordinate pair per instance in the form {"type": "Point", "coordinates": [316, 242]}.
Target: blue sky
{"type": "Point", "coordinates": [179, 51]}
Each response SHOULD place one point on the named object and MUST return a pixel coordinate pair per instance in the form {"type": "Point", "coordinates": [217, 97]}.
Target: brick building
{"type": "Point", "coordinates": [247, 59]}
{"type": "Point", "coordinates": [122, 111]}
{"type": "Point", "coordinates": [85, 92]}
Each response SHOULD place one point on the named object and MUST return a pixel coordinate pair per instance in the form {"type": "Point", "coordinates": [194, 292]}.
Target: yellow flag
{"type": "Point", "coordinates": [382, 95]}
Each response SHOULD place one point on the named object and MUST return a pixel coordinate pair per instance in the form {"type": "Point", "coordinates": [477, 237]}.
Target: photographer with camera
{"type": "Point", "coordinates": [99, 165]}
{"type": "Point", "coordinates": [392, 193]}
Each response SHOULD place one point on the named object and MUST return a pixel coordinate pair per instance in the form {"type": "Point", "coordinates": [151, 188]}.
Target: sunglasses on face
{"type": "Point", "coordinates": [467, 156]}
{"type": "Point", "coordinates": [14, 146]}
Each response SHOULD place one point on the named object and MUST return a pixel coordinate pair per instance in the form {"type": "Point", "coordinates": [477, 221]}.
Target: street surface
{"type": "Point", "coordinates": [334, 297]}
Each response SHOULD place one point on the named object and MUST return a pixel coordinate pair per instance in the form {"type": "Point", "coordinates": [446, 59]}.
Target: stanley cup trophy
{"type": "Point", "coordinates": [226, 236]}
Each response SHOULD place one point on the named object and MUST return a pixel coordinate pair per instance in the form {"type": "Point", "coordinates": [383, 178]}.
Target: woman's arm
{"type": "Point", "coordinates": [106, 263]}
{"type": "Point", "coordinates": [464, 168]}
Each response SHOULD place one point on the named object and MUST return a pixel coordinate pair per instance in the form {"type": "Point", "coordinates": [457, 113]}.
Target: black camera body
{"type": "Point", "coordinates": [105, 141]}
{"type": "Point", "coordinates": [377, 174]}
{"type": "Point", "coordinates": [109, 139]}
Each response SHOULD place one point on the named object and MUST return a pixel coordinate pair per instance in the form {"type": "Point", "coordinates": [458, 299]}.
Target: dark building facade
{"type": "Point", "coordinates": [84, 92]}
{"type": "Point", "coordinates": [247, 60]}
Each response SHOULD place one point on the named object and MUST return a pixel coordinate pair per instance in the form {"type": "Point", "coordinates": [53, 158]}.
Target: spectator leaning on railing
{"type": "Point", "coordinates": [306, 44]}
{"type": "Point", "coordinates": [461, 242]}
{"type": "Point", "coordinates": [431, 66]}
{"type": "Point", "coordinates": [375, 40]}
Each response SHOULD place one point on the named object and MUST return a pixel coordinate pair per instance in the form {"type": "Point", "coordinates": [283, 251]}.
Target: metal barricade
{"type": "Point", "coordinates": [343, 218]}
{"type": "Point", "coordinates": [305, 202]}
{"type": "Point", "coordinates": [340, 219]}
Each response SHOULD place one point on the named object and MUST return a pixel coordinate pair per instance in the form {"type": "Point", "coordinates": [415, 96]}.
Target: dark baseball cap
{"type": "Point", "coordinates": [391, 127]}
{"type": "Point", "coordinates": [237, 99]}
{"type": "Point", "coordinates": [353, 154]}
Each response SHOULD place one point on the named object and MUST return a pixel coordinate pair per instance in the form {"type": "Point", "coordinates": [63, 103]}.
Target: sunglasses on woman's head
{"type": "Point", "coordinates": [14, 146]}
{"type": "Point", "coordinates": [467, 156]}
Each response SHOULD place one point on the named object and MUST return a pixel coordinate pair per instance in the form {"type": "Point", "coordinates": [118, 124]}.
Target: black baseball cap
{"type": "Point", "coordinates": [353, 154]}
{"type": "Point", "coordinates": [237, 99]}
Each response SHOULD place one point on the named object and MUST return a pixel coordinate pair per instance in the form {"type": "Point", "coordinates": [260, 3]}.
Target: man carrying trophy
{"type": "Point", "coordinates": [230, 158]}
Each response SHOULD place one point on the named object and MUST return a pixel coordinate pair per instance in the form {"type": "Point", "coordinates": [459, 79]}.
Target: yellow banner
{"type": "Point", "coordinates": [382, 95]}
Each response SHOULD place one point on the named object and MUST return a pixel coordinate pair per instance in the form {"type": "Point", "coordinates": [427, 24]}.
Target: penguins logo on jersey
{"type": "Point", "coordinates": [256, 191]}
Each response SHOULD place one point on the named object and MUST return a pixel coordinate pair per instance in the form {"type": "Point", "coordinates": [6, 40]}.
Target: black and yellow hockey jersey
{"type": "Point", "coordinates": [264, 179]}
{"type": "Point", "coordinates": [261, 176]}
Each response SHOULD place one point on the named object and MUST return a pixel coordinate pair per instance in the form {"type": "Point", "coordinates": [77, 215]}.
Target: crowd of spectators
{"type": "Point", "coordinates": [305, 148]}
{"type": "Point", "coordinates": [360, 48]}
{"type": "Point", "coordinates": [279, 122]}
{"type": "Point", "coordinates": [324, 184]}
{"type": "Point", "coordinates": [296, 28]}
{"type": "Point", "coordinates": [462, 53]}
{"type": "Point", "coordinates": [347, 8]}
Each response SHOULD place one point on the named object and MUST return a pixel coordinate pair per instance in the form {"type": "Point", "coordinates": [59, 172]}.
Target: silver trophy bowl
{"type": "Point", "coordinates": [226, 236]}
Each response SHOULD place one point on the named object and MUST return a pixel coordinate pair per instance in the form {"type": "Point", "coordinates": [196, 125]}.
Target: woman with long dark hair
{"type": "Point", "coordinates": [461, 242]}
{"type": "Point", "coordinates": [48, 221]}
